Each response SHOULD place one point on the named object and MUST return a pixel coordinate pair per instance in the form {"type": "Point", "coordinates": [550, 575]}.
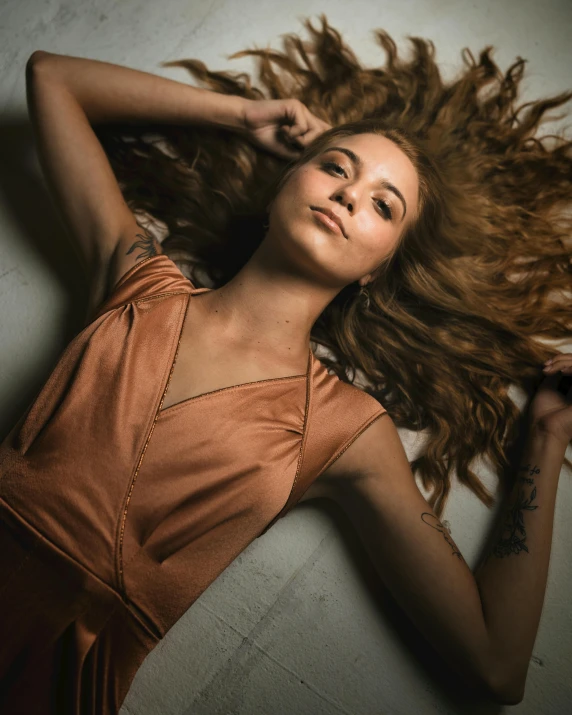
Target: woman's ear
{"type": "Point", "coordinates": [369, 277]}
{"type": "Point", "coordinates": [364, 280]}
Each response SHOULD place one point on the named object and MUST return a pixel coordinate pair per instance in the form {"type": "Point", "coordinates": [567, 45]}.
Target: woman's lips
{"type": "Point", "coordinates": [327, 221]}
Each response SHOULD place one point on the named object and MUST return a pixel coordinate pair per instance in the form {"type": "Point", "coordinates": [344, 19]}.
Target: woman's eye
{"type": "Point", "coordinates": [385, 208]}
{"type": "Point", "coordinates": [332, 165]}
{"type": "Point", "coordinates": [383, 205]}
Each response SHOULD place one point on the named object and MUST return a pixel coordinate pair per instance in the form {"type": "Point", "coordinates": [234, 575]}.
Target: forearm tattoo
{"type": "Point", "coordinates": [432, 521]}
{"type": "Point", "coordinates": [513, 535]}
{"type": "Point", "coordinates": [147, 244]}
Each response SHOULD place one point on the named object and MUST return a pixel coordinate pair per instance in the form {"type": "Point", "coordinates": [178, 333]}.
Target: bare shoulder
{"type": "Point", "coordinates": [132, 245]}
{"type": "Point", "coordinates": [376, 451]}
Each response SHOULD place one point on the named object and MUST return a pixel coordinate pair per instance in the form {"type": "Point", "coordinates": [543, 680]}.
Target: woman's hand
{"type": "Point", "coordinates": [551, 407]}
{"type": "Point", "coordinates": [281, 126]}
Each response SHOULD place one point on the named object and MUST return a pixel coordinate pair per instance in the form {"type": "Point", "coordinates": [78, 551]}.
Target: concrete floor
{"type": "Point", "coordinates": [294, 626]}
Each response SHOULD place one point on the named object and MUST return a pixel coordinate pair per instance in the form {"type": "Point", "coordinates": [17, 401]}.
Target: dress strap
{"type": "Point", "coordinates": [336, 414]}
{"type": "Point", "coordinates": [153, 276]}
{"type": "Point", "coordinates": [299, 486]}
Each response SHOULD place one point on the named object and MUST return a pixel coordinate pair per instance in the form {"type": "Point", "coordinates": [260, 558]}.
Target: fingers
{"type": "Point", "coordinates": [307, 126]}
{"type": "Point", "coordinates": [318, 129]}
{"type": "Point", "coordinates": [298, 132]}
{"type": "Point", "coordinates": [300, 118]}
{"type": "Point", "coordinates": [316, 126]}
{"type": "Point", "coordinates": [561, 362]}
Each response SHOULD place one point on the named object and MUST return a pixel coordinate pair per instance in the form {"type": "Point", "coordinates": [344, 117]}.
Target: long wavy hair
{"type": "Point", "coordinates": [472, 291]}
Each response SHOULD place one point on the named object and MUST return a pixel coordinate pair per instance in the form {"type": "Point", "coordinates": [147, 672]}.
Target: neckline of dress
{"type": "Point", "coordinates": [229, 387]}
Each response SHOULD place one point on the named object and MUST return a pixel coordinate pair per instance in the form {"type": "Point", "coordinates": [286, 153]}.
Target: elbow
{"type": "Point", "coordinates": [34, 60]}
{"type": "Point", "coordinates": [510, 697]}
{"type": "Point", "coordinates": [504, 691]}
{"type": "Point", "coordinates": [36, 56]}
{"type": "Point", "coordinates": [507, 697]}
{"type": "Point", "coordinates": [494, 686]}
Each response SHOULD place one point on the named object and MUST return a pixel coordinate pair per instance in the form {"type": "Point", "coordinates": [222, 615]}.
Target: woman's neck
{"type": "Point", "coordinates": [267, 309]}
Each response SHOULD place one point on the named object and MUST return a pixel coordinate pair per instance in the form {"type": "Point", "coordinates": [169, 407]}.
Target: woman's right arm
{"type": "Point", "coordinates": [112, 93]}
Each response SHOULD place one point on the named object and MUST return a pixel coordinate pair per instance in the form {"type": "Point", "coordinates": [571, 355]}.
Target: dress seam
{"type": "Point", "coordinates": [139, 300]}
{"type": "Point", "coordinates": [41, 537]}
{"type": "Point", "coordinates": [228, 389]}
{"type": "Point", "coordinates": [304, 432]}
{"type": "Point", "coordinates": [124, 278]}
{"type": "Point", "coordinates": [350, 441]}
{"type": "Point", "coordinates": [303, 440]}
{"type": "Point", "coordinates": [123, 517]}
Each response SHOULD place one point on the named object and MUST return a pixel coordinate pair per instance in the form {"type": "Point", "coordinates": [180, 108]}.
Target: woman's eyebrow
{"type": "Point", "coordinates": [384, 183]}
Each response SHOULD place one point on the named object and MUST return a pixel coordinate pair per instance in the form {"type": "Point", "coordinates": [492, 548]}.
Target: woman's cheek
{"type": "Point", "coordinates": [384, 244]}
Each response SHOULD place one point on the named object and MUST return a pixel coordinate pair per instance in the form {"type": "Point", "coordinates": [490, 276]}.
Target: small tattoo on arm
{"type": "Point", "coordinates": [513, 535]}
{"type": "Point", "coordinates": [147, 244]}
{"type": "Point", "coordinates": [432, 521]}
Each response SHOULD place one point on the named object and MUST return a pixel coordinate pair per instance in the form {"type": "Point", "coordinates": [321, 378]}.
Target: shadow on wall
{"type": "Point", "coordinates": [28, 206]}
{"type": "Point", "coordinates": [449, 688]}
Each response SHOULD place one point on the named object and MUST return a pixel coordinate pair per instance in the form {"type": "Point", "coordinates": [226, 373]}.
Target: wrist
{"type": "Point", "coordinates": [233, 116]}
{"type": "Point", "coordinates": [225, 111]}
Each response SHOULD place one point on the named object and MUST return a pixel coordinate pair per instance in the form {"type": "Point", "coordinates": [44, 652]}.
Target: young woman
{"type": "Point", "coordinates": [182, 421]}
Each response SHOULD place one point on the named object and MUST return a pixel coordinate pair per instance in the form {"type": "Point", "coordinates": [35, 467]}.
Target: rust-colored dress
{"type": "Point", "coordinates": [116, 515]}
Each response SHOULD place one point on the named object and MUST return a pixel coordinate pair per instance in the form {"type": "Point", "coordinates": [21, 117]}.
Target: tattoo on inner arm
{"type": "Point", "coordinates": [432, 521]}
{"type": "Point", "coordinates": [513, 535]}
{"type": "Point", "coordinates": [147, 244]}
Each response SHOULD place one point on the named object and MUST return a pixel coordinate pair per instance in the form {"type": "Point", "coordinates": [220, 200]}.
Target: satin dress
{"type": "Point", "coordinates": [115, 515]}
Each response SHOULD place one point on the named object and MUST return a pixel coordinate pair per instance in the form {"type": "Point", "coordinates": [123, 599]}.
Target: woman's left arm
{"type": "Point", "coordinates": [485, 625]}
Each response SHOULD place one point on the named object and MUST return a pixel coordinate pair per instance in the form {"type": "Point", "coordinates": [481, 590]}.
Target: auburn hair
{"type": "Point", "coordinates": [464, 305]}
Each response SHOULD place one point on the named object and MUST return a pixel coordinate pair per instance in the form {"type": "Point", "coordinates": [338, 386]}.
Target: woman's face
{"type": "Point", "coordinates": [375, 196]}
